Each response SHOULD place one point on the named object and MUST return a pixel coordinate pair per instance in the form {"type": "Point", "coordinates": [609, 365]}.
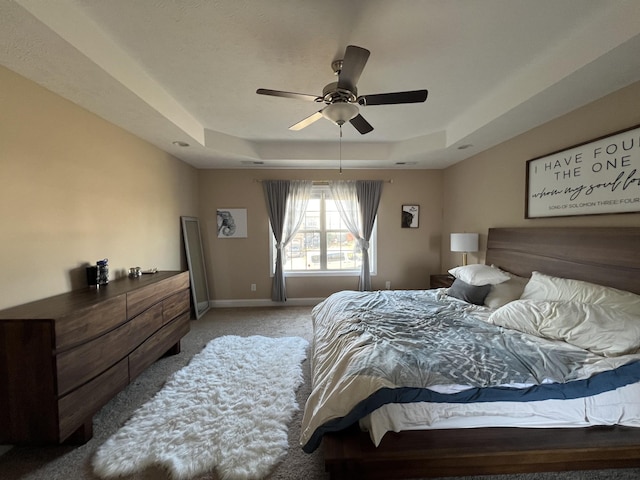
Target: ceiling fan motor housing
{"type": "Point", "coordinates": [332, 94]}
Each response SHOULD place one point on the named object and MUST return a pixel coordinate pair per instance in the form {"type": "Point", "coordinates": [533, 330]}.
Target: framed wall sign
{"type": "Point", "coordinates": [593, 178]}
{"type": "Point", "coordinates": [410, 216]}
{"type": "Point", "coordinates": [232, 222]}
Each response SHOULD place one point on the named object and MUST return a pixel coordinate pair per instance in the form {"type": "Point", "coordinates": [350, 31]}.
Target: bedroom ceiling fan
{"type": "Point", "coordinates": [341, 97]}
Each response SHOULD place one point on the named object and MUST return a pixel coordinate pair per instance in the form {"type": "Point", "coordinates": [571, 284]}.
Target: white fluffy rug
{"type": "Point", "coordinates": [227, 410]}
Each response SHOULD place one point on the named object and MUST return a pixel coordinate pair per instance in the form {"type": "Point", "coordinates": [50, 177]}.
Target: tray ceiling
{"type": "Point", "coordinates": [187, 71]}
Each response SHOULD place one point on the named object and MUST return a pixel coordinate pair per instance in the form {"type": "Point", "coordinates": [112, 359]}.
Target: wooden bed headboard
{"type": "Point", "coordinates": [607, 256]}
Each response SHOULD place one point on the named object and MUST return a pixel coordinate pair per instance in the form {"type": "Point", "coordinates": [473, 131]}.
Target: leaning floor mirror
{"type": "Point", "coordinates": [195, 262]}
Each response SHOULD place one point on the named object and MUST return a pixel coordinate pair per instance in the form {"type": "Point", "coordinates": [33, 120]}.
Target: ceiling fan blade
{"type": "Point", "coordinates": [297, 96]}
{"type": "Point", "coordinates": [307, 121]}
{"type": "Point", "coordinates": [414, 96]}
{"type": "Point", "coordinates": [355, 58]}
{"type": "Point", "coordinates": [361, 124]}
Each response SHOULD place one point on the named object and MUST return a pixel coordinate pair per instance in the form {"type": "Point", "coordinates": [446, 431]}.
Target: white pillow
{"type": "Point", "coordinates": [545, 287]}
{"type": "Point", "coordinates": [597, 328]}
{"type": "Point", "coordinates": [506, 292]}
{"type": "Point", "coordinates": [479, 275]}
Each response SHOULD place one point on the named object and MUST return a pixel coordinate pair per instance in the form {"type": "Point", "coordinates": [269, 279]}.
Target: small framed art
{"type": "Point", "coordinates": [232, 222]}
{"type": "Point", "coordinates": [410, 216]}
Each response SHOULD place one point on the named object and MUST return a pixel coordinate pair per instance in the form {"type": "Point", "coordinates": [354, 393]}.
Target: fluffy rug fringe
{"type": "Point", "coordinates": [228, 411]}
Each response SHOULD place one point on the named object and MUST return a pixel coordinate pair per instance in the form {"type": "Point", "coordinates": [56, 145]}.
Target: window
{"type": "Point", "coordinates": [323, 244]}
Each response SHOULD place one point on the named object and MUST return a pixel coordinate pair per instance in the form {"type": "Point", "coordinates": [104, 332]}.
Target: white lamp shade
{"type": "Point", "coordinates": [464, 242]}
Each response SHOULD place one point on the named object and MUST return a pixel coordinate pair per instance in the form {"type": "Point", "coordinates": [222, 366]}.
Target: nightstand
{"type": "Point", "coordinates": [441, 281]}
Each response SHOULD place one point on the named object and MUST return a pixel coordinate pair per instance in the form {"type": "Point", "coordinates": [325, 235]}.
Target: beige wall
{"type": "Point", "coordinates": [74, 189]}
{"type": "Point", "coordinates": [488, 190]}
{"type": "Point", "coordinates": [406, 257]}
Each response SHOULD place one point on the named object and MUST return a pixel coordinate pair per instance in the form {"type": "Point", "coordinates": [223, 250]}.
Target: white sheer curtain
{"type": "Point", "coordinates": [297, 202]}
{"type": "Point", "coordinates": [357, 201]}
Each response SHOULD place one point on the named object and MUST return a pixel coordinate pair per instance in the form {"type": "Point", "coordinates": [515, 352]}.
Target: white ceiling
{"type": "Point", "coordinates": [188, 70]}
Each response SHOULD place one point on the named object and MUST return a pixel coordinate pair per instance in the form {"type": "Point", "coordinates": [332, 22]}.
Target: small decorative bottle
{"type": "Point", "coordinates": [103, 271]}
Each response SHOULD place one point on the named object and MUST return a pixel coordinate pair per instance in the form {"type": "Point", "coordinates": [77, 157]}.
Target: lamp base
{"type": "Point", "coordinates": [464, 259]}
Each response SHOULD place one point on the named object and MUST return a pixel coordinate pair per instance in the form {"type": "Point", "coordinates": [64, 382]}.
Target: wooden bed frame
{"type": "Point", "coordinates": [607, 256]}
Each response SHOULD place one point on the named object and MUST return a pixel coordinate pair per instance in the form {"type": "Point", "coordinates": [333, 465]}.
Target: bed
{"type": "Point", "coordinates": [372, 425]}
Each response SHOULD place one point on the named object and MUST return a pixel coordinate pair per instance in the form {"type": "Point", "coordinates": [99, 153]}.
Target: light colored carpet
{"type": "Point", "coordinates": [228, 409]}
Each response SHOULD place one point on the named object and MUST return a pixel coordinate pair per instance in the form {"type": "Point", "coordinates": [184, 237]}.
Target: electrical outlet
{"type": "Point", "coordinates": [253, 287]}
{"type": "Point", "coordinates": [387, 284]}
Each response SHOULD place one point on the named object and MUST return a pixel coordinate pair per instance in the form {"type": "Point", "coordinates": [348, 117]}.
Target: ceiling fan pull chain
{"type": "Point", "coordinates": [340, 142]}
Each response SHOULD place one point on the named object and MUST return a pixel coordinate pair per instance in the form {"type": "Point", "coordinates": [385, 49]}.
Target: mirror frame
{"type": "Point", "coordinates": [193, 263]}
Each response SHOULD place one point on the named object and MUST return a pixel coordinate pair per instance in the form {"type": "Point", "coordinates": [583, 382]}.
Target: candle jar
{"type": "Point", "coordinates": [135, 272]}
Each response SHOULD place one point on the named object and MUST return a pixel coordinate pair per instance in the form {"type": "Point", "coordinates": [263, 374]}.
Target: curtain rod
{"type": "Point", "coordinates": [315, 182]}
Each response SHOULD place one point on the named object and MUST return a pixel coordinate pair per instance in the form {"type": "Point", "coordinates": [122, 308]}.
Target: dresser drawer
{"type": "Point", "coordinates": [154, 347]}
{"type": "Point", "coordinates": [142, 298]}
{"type": "Point", "coordinates": [90, 322]}
{"type": "Point", "coordinates": [77, 406]}
{"type": "Point", "coordinates": [145, 325]}
{"type": "Point", "coordinates": [80, 364]}
{"type": "Point", "coordinates": [176, 305]}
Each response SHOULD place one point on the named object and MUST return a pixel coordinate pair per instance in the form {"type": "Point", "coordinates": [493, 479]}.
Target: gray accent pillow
{"type": "Point", "coordinates": [469, 293]}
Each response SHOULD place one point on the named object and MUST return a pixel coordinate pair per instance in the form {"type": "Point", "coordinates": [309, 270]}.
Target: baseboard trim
{"type": "Point", "coordinates": [265, 302]}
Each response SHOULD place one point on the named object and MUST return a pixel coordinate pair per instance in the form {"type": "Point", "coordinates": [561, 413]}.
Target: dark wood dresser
{"type": "Point", "coordinates": [64, 357]}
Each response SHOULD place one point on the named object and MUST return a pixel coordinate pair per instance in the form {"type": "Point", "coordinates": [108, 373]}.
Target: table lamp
{"type": "Point", "coordinates": [465, 243]}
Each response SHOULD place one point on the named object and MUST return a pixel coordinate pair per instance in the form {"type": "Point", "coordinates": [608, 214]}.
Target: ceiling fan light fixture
{"type": "Point", "coordinates": [342, 98]}
{"type": "Point", "coordinates": [340, 112]}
